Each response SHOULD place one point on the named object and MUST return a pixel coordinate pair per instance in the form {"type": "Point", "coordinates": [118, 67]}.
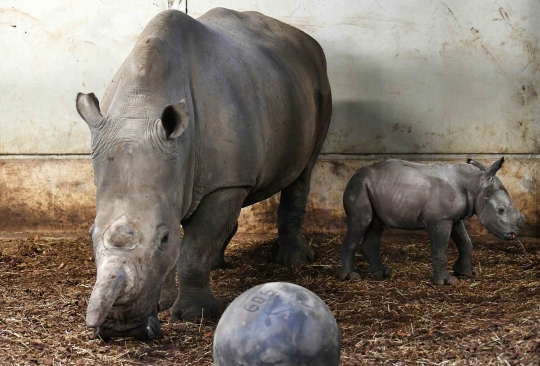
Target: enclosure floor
{"type": "Point", "coordinates": [46, 280]}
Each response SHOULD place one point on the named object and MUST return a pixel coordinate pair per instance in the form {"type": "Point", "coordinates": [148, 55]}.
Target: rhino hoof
{"type": "Point", "coordinates": [294, 257]}
{"type": "Point", "coordinates": [468, 272]}
{"type": "Point", "coordinates": [195, 314]}
{"type": "Point", "coordinates": [437, 281]}
{"type": "Point", "coordinates": [380, 275]}
{"type": "Point", "coordinates": [292, 250]}
{"type": "Point", "coordinates": [344, 275]}
{"type": "Point", "coordinates": [196, 308]}
{"type": "Point", "coordinates": [353, 277]}
{"type": "Point", "coordinates": [452, 280]}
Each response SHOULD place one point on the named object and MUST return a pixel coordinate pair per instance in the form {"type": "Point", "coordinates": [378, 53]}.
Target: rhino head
{"type": "Point", "coordinates": [493, 204]}
{"type": "Point", "coordinates": [136, 234]}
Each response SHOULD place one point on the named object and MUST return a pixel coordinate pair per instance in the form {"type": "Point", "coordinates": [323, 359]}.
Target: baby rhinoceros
{"type": "Point", "coordinates": [436, 197]}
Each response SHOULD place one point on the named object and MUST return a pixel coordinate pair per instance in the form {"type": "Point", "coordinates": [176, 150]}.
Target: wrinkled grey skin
{"type": "Point", "coordinates": [203, 118]}
{"type": "Point", "coordinates": [436, 197]}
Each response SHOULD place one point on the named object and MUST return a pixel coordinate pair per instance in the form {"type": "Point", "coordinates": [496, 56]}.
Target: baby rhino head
{"type": "Point", "coordinates": [494, 206]}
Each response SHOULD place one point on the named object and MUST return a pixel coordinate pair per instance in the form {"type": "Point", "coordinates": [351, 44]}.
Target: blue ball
{"type": "Point", "coordinates": [277, 323]}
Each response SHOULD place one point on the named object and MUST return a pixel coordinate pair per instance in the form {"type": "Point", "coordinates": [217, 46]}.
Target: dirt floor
{"type": "Point", "coordinates": [45, 282]}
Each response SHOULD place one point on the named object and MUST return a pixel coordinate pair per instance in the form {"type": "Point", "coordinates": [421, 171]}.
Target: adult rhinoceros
{"type": "Point", "coordinates": [204, 117]}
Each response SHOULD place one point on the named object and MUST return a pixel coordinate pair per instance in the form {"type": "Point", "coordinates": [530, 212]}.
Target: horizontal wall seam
{"type": "Point", "coordinates": [322, 156]}
{"type": "Point", "coordinates": [431, 156]}
{"type": "Point", "coordinates": [43, 156]}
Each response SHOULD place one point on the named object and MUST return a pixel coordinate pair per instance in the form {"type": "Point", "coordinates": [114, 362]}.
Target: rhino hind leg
{"type": "Point", "coordinates": [359, 217]}
{"type": "Point", "coordinates": [439, 235]}
{"type": "Point", "coordinates": [204, 234]}
{"type": "Point", "coordinates": [463, 265]}
{"type": "Point", "coordinates": [371, 250]}
{"type": "Point", "coordinates": [354, 235]}
{"type": "Point", "coordinates": [292, 248]}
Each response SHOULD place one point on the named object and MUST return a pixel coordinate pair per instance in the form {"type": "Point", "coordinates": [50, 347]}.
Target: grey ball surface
{"type": "Point", "coordinates": [275, 324]}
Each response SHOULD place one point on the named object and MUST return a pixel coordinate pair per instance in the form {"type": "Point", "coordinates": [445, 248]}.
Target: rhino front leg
{"type": "Point", "coordinates": [292, 248]}
{"type": "Point", "coordinates": [169, 292]}
{"type": "Point", "coordinates": [463, 266]}
{"type": "Point", "coordinates": [205, 232]}
{"type": "Point", "coordinates": [439, 234]}
{"type": "Point", "coordinates": [221, 263]}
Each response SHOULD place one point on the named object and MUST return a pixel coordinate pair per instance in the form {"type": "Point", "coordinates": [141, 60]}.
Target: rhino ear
{"type": "Point", "coordinates": [88, 108]}
{"type": "Point", "coordinates": [476, 164]}
{"type": "Point", "coordinates": [175, 119]}
{"type": "Point", "coordinates": [493, 169]}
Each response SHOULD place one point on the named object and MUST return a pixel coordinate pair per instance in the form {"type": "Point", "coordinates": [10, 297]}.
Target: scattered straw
{"type": "Point", "coordinates": [493, 319]}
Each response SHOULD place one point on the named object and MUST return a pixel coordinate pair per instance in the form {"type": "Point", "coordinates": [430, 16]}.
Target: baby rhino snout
{"type": "Point", "coordinates": [517, 226]}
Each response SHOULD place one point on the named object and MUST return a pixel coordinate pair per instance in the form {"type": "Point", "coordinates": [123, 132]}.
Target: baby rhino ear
{"type": "Point", "coordinates": [175, 119]}
{"type": "Point", "coordinates": [493, 169]}
{"type": "Point", "coordinates": [88, 107]}
{"type": "Point", "coordinates": [476, 164]}
{"type": "Point", "coordinates": [489, 173]}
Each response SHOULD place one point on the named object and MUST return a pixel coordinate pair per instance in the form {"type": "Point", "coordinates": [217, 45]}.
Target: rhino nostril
{"type": "Point", "coordinates": [153, 327]}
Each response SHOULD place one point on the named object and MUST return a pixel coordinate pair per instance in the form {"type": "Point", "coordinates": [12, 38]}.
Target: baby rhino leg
{"type": "Point", "coordinates": [371, 249]}
{"type": "Point", "coordinates": [463, 266]}
{"type": "Point", "coordinates": [439, 234]}
{"type": "Point", "coordinates": [359, 214]}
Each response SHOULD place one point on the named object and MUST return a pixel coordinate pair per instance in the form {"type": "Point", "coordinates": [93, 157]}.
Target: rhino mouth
{"type": "Point", "coordinates": [144, 328]}
{"type": "Point", "coordinates": [509, 235]}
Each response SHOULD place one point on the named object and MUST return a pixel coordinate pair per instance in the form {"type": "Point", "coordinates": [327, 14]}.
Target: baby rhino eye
{"type": "Point", "coordinates": [501, 211]}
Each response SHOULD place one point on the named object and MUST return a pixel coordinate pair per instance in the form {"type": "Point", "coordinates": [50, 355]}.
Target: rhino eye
{"type": "Point", "coordinates": [163, 243]}
{"type": "Point", "coordinates": [165, 238]}
{"type": "Point", "coordinates": [501, 211]}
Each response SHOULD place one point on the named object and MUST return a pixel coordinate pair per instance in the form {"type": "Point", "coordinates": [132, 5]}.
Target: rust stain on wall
{"type": "Point", "coordinates": [59, 195]}
{"type": "Point", "coordinates": [52, 195]}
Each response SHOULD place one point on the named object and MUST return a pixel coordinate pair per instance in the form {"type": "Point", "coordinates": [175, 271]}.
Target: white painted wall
{"type": "Point", "coordinates": [423, 76]}
{"type": "Point", "coordinates": [420, 76]}
{"type": "Point", "coordinates": [50, 51]}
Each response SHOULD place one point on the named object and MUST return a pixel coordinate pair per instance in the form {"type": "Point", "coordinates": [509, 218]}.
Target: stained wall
{"type": "Point", "coordinates": [425, 80]}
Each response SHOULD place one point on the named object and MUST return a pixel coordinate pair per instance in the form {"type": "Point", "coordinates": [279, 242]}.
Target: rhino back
{"type": "Point", "coordinates": [253, 88]}
{"type": "Point", "coordinates": [271, 78]}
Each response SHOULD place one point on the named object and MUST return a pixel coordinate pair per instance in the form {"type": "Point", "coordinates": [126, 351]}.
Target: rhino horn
{"type": "Point", "coordinates": [109, 286]}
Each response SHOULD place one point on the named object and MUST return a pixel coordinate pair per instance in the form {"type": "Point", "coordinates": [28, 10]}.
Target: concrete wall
{"type": "Point", "coordinates": [423, 76]}
{"type": "Point", "coordinates": [425, 81]}
{"type": "Point", "coordinates": [51, 50]}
